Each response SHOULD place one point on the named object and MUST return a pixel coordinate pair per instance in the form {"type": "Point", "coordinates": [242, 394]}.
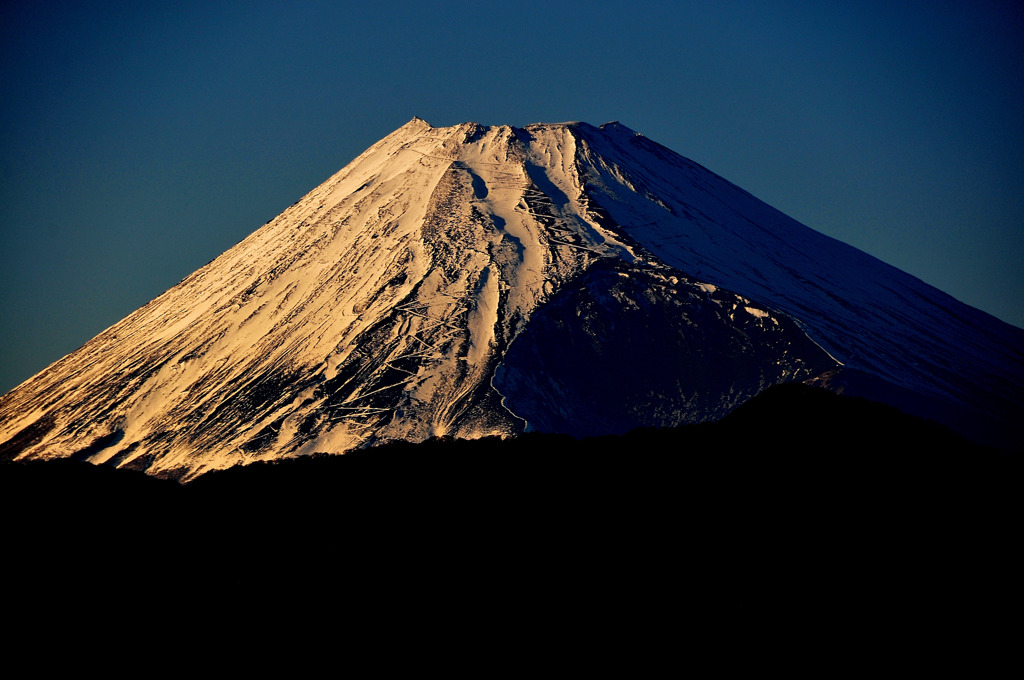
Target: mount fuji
{"type": "Point", "coordinates": [471, 281]}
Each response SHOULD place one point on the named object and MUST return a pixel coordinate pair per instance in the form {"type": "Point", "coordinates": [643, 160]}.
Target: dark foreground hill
{"type": "Point", "coordinates": [800, 506]}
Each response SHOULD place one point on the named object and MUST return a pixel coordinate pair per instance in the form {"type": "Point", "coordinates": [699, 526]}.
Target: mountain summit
{"type": "Point", "coordinates": [471, 280]}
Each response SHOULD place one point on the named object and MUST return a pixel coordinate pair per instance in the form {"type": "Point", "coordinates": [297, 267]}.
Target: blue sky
{"type": "Point", "coordinates": [140, 140]}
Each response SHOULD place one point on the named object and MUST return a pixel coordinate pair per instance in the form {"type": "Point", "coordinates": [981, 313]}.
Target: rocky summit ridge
{"type": "Point", "coordinates": [476, 280]}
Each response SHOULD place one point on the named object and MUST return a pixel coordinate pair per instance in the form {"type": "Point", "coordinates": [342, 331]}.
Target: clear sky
{"type": "Point", "coordinates": [139, 140]}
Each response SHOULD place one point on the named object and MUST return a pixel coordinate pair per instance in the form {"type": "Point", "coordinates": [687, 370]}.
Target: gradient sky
{"type": "Point", "coordinates": [138, 141]}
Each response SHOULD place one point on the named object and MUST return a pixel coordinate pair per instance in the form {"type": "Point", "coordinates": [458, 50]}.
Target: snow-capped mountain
{"type": "Point", "coordinates": [472, 280]}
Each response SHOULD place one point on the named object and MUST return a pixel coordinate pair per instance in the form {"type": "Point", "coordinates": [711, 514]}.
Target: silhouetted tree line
{"type": "Point", "coordinates": [800, 501]}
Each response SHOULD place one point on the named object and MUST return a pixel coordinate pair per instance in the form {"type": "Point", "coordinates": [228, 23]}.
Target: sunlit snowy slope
{"type": "Point", "coordinates": [471, 281]}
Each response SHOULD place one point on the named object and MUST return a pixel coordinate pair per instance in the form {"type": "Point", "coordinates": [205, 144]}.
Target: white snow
{"type": "Point", "coordinates": [439, 243]}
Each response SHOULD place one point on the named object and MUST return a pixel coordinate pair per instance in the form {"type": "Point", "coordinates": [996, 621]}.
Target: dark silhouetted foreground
{"type": "Point", "coordinates": [801, 507]}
